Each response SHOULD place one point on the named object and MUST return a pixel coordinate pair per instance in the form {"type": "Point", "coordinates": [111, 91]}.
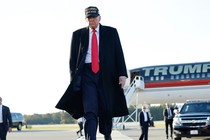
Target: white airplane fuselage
{"type": "Point", "coordinates": [172, 83]}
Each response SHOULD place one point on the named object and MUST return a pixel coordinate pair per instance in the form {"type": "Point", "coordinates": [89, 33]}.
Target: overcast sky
{"type": "Point", "coordinates": [35, 40]}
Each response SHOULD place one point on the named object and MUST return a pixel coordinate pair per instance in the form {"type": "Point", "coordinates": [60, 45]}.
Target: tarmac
{"type": "Point", "coordinates": [116, 135]}
{"type": "Point", "coordinates": [124, 131]}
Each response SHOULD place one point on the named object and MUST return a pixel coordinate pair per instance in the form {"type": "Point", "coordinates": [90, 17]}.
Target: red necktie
{"type": "Point", "coordinates": [95, 65]}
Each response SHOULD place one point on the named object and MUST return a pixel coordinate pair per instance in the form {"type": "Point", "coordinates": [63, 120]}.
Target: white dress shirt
{"type": "Point", "coordinates": [1, 116]}
{"type": "Point", "coordinates": [169, 112]}
{"type": "Point", "coordinates": [88, 56]}
{"type": "Point", "coordinates": [145, 116]}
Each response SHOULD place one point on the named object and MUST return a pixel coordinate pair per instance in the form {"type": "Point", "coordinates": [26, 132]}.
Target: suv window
{"type": "Point", "coordinates": [195, 108]}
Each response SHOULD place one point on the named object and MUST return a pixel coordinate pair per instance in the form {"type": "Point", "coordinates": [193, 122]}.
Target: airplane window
{"type": "Point", "coordinates": [208, 75]}
{"type": "Point", "coordinates": [203, 75]}
{"type": "Point", "coordinates": [162, 78]}
{"type": "Point", "coordinates": [192, 76]}
{"type": "Point", "coordinates": [197, 75]}
{"type": "Point", "coordinates": [152, 78]}
{"type": "Point", "coordinates": [172, 77]}
{"type": "Point", "coordinates": [157, 78]}
{"type": "Point", "coordinates": [177, 76]}
{"type": "Point", "coordinates": [182, 76]}
{"type": "Point", "coordinates": [187, 76]}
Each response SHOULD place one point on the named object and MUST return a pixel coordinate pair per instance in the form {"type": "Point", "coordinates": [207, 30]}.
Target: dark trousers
{"type": "Point", "coordinates": [144, 131]}
{"type": "Point", "coordinates": [3, 132]}
{"type": "Point", "coordinates": [80, 128]}
{"type": "Point", "coordinates": [93, 101]}
{"type": "Point", "coordinates": [169, 122]}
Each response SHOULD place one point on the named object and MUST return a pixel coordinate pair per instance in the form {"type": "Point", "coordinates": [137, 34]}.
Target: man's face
{"type": "Point", "coordinates": [93, 21]}
{"type": "Point", "coordinates": [143, 108]}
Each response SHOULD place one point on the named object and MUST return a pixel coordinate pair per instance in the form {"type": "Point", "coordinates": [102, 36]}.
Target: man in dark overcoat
{"type": "Point", "coordinates": [97, 96]}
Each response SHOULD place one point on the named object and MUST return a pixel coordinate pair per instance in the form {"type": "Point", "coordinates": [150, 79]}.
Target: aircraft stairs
{"type": "Point", "coordinates": [136, 85]}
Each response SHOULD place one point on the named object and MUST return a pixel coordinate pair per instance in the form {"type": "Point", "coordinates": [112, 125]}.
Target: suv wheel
{"type": "Point", "coordinates": [19, 127]}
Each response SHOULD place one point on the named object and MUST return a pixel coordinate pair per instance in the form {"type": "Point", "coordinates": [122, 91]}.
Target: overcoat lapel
{"type": "Point", "coordinates": [102, 42]}
{"type": "Point", "coordinates": [85, 40]}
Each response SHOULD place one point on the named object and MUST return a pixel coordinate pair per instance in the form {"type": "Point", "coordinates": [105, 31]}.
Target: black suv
{"type": "Point", "coordinates": [18, 121]}
{"type": "Point", "coordinates": [192, 120]}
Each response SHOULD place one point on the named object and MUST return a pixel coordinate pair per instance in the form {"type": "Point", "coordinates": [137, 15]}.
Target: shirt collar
{"type": "Point", "coordinates": [97, 29]}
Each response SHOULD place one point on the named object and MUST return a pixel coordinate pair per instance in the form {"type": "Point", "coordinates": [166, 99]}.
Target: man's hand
{"type": "Point", "coordinates": [10, 129]}
{"type": "Point", "coordinates": [122, 80]}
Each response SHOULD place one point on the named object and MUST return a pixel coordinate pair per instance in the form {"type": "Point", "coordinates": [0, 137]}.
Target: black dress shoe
{"type": "Point", "coordinates": [107, 137]}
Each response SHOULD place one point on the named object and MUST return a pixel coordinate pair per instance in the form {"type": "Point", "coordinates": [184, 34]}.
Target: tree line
{"type": "Point", "coordinates": [63, 117]}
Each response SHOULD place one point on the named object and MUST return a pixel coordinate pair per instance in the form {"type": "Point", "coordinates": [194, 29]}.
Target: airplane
{"type": "Point", "coordinates": [172, 83]}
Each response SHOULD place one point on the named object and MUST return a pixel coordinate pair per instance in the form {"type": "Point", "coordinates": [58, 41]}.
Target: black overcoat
{"type": "Point", "coordinates": [112, 65]}
{"type": "Point", "coordinates": [7, 119]}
